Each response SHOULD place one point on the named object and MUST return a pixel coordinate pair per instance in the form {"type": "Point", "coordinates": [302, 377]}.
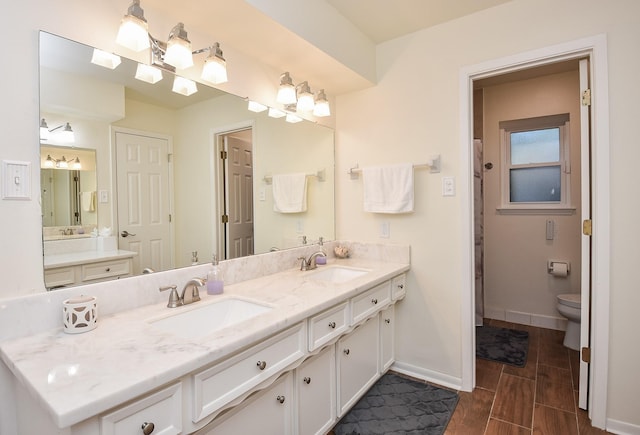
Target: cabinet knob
{"type": "Point", "coordinates": [346, 351]}
{"type": "Point", "coordinates": [280, 399]}
{"type": "Point", "coordinates": [147, 428]}
{"type": "Point", "coordinates": [332, 325]}
{"type": "Point", "coordinates": [307, 380]}
{"type": "Point", "coordinates": [261, 365]}
{"type": "Point", "coordinates": [387, 320]}
{"type": "Point", "coordinates": [400, 286]}
{"type": "Point", "coordinates": [374, 301]}
{"type": "Point", "coordinates": [108, 269]}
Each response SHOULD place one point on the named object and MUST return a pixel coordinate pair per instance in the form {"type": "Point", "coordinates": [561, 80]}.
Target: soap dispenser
{"type": "Point", "coordinates": [215, 283]}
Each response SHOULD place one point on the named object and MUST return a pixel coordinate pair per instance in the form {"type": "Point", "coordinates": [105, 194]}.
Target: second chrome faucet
{"type": "Point", "coordinates": [310, 264]}
{"type": "Point", "coordinates": [176, 300]}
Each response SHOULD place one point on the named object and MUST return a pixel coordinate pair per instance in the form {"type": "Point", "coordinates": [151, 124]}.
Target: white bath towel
{"type": "Point", "coordinates": [88, 200]}
{"type": "Point", "coordinates": [289, 193]}
{"type": "Point", "coordinates": [388, 189]}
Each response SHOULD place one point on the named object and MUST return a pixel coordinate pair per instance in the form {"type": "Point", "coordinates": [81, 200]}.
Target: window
{"type": "Point", "coordinates": [535, 170]}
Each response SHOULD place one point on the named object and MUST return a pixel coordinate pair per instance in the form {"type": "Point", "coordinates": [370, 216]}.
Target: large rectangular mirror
{"type": "Point", "coordinates": [163, 192]}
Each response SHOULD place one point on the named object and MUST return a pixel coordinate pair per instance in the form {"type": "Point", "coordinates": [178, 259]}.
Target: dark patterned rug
{"type": "Point", "coordinates": [397, 405]}
{"type": "Point", "coordinates": [507, 346]}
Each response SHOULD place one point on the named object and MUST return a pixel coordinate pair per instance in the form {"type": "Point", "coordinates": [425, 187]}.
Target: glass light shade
{"type": "Point", "coordinates": [322, 105]}
{"type": "Point", "coordinates": [76, 163]}
{"type": "Point", "coordinates": [292, 118]}
{"type": "Point", "coordinates": [49, 163]}
{"type": "Point", "coordinates": [305, 102]}
{"type": "Point", "coordinates": [67, 135]}
{"type": "Point", "coordinates": [178, 53]}
{"type": "Point", "coordinates": [62, 163]}
{"type": "Point", "coordinates": [105, 59]}
{"type": "Point", "coordinates": [148, 73]}
{"type": "Point", "coordinates": [214, 70]}
{"type": "Point", "coordinates": [256, 107]}
{"type": "Point", "coordinates": [275, 113]}
{"type": "Point", "coordinates": [184, 86]}
{"type": "Point", "coordinates": [44, 130]}
{"type": "Point", "coordinates": [133, 33]}
{"type": "Point", "coordinates": [286, 94]}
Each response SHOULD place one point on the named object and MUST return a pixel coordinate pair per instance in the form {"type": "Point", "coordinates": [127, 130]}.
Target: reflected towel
{"type": "Point", "coordinates": [289, 193]}
{"type": "Point", "coordinates": [388, 189]}
{"type": "Point", "coordinates": [88, 200]}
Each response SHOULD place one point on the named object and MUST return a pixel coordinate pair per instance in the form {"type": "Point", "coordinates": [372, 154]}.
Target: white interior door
{"type": "Point", "coordinates": [143, 200]}
{"type": "Point", "coordinates": [239, 194]}
{"type": "Point", "coordinates": [585, 279]}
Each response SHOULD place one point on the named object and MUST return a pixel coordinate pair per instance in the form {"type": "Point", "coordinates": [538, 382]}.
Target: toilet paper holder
{"type": "Point", "coordinates": [550, 264]}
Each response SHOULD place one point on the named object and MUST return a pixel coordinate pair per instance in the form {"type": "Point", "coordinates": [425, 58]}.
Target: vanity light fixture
{"type": "Point", "coordinates": [175, 53]}
{"type": "Point", "coordinates": [305, 98]}
{"type": "Point", "coordinates": [321, 107]}
{"type": "Point", "coordinates": [256, 107]}
{"type": "Point", "coordinates": [184, 86]}
{"type": "Point", "coordinates": [61, 163]}
{"type": "Point", "coordinates": [286, 91]}
{"type": "Point", "coordinates": [65, 135]}
{"type": "Point", "coordinates": [49, 162]}
{"type": "Point", "coordinates": [44, 130]}
{"type": "Point", "coordinates": [148, 73]}
{"type": "Point", "coordinates": [275, 113]}
{"type": "Point", "coordinates": [76, 163]}
{"type": "Point", "coordinates": [105, 59]}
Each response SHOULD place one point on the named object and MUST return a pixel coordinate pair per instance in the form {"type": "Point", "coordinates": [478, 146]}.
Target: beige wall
{"type": "Point", "coordinates": [414, 112]}
{"type": "Point", "coordinates": [516, 249]}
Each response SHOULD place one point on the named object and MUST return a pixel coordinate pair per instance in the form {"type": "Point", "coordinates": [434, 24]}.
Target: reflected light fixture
{"type": "Point", "coordinates": [215, 67]}
{"type": "Point", "coordinates": [305, 98]}
{"type": "Point", "coordinates": [275, 113]}
{"type": "Point", "coordinates": [44, 130]}
{"type": "Point", "coordinates": [76, 163]}
{"type": "Point", "coordinates": [321, 107]}
{"type": "Point", "coordinates": [49, 162]}
{"type": "Point", "coordinates": [256, 107]}
{"type": "Point", "coordinates": [65, 135]}
{"type": "Point", "coordinates": [62, 163]}
{"type": "Point", "coordinates": [148, 73]}
{"type": "Point", "coordinates": [286, 91]}
{"type": "Point", "coordinates": [292, 118]}
{"type": "Point", "coordinates": [175, 53]}
{"type": "Point", "coordinates": [184, 86]}
{"type": "Point", "coordinates": [105, 59]}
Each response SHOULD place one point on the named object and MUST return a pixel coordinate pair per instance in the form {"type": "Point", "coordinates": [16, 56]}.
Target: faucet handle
{"type": "Point", "coordinates": [303, 263]}
{"type": "Point", "coordinates": [174, 299]}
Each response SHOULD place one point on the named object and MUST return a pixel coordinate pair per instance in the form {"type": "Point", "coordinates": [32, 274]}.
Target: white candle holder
{"type": "Point", "coordinates": [80, 314]}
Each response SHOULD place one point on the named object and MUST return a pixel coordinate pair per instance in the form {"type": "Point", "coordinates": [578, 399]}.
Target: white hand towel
{"type": "Point", "coordinates": [289, 193]}
{"type": "Point", "coordinates": [88, 201]}
{"type": "Point", "coordinates": [388, 189]}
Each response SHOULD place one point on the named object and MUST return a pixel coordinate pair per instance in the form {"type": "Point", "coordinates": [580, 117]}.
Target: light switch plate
{"type": "Point", "coordinates": [16, 180]}
{"type": "Point", "coordinates": [448, 186]}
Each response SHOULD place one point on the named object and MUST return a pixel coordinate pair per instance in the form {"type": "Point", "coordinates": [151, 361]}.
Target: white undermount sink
{"type": "Point", "coordinates": [338, 274]}
{"type": "Point", "coordinates": [199, 321]}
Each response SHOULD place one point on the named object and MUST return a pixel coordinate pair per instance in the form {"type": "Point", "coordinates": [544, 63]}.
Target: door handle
{"type": "Point", "coordinates": [126, 233]}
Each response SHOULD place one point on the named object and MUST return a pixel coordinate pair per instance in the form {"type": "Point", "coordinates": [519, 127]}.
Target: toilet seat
{"type": "Point", "coordinates": [570, 299]}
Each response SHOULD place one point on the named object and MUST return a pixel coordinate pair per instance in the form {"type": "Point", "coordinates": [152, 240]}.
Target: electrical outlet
{"type": "Point", "coordinates": [448, 186]}
{"type": "Point", "coordinates": [104, 196]}
{"type": "Point", "coordinates": [385, 230]}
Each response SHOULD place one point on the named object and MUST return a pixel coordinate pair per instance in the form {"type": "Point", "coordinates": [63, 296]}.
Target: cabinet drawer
{"type": "Point", "coordinates": [220, 384]}
{"type": "Point", "coordinates": [398, 287]}
{"type": "Point", "coordinates": [328, 325]}
{"type": "Point", "coordinates": [105, 269]}
{"type": "Point", "coordinates": [370, 302]}
{"type": "Point", "coordinates": [162, 409]}
{"type": "Point", "coordinates": [59, 276]}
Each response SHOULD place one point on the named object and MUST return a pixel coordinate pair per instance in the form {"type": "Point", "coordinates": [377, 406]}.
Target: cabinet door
{"type": "Point", "coordinates": [270, 412]}
{"type": "Point", "coordinates": [357, 356]}
{"type": "Point", "coordinates": [316, 387]}
{"type": "Point", "coordinates": [387, 325]}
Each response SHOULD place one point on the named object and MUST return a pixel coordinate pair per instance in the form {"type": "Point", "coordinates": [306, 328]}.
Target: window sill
{"type": "Point", "coordinates": [536, 210]}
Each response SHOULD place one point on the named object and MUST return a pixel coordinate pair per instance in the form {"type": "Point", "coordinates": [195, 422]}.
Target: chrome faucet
{"type": "Point", "coordinates": [176, 300]}
{"type": "Point", "coordinates": [310, 264]}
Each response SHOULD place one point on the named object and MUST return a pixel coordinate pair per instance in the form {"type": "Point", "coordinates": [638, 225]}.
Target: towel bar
{"type": "Point", "coordinates": [321, 175]}
{"type": "Point", "coordinates": [433, 164]}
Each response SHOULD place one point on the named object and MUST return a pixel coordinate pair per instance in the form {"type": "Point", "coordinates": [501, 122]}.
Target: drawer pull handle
{"type": "Point", "coordinates": [400, 286]}
{"type": "Point", "coordinates": [332, 325]}
{"type": "Point", "coordinates": [374, 301]}
{"type": "Point", "coordinates": [346, 351]}
{"type": "Point", "coordinates": [387, 320]}
{"type": "Point", "coordinates": [262, 365]}
{"type": "Point", "coordinates": [280, 399]}
{"type": "Point", "coordinates": [147, 428]}
{"type": "Point", "coordinates": [307, 380]}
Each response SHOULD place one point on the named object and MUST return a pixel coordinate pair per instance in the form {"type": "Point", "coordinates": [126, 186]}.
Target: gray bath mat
{"type": "Point", "coordinates": [397, 405]}
{"type": "Point", "coordinates": [507, 346]}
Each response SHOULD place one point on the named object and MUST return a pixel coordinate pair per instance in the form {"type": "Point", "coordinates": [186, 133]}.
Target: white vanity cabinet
{"type": "Point", "coordinates": [387, 344]}
{"type": "Point", "coordinates": [399, 287]}
{"type": "Point", "coordinates": [269, 412]}
{"type": "Point", "coordinates": [88, 272]}
{"type": "Point", "coordinates": [315, 385]}
{"type": "Point", "coordinates": [357, 363]}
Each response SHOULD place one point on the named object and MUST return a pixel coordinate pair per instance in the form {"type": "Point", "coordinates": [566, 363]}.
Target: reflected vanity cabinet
{"type": "Point", "coordinates": [88, 272]}
{"type": "Point", "coordinates": [300, 381]}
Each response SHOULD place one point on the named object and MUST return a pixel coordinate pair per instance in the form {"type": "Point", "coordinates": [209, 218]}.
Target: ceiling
{"type": "Point", "coordinates": [238, 24]}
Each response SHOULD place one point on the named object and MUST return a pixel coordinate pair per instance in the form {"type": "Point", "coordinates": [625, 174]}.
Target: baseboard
{"type": "Point", "coordinates": [427, 375]}
{"type": "Point", "coordinates": [523, 318]}
{"type": "Point", "coordinates": [622, 428]}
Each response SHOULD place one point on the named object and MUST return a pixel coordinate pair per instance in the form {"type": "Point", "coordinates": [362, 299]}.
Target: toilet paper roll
{"type": "Point", "coordinates": [560, 269]}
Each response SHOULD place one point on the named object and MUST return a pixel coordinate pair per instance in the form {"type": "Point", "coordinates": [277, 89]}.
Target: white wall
{"type": "Point", "coordinates": [516, 248]}
{"type": "Point", "coordinates": [413, 112]}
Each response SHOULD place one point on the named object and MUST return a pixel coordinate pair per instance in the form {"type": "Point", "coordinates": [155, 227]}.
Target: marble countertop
{"type": "Point", "coordinates": [76, 376]}
{"type": "Point", "coordinates": [84, 257]}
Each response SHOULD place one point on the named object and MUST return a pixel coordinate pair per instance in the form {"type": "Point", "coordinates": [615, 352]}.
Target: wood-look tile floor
{"type": "Point", "coordinates": [539, 398]}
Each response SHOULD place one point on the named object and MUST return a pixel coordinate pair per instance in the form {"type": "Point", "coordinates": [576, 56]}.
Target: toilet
{"type": "Point", "coordinates": [569, 307]}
